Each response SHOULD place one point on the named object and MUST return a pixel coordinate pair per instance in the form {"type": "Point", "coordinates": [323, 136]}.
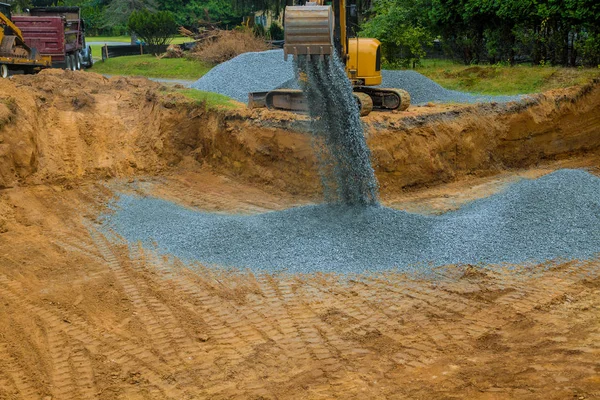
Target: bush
{"type": "Point", "coordinates": [590, 49]}
{"type": "Point", "coordinates": [154, 28]}
{"type": "Point", "coordinates": [259, 30]}
{"type": "Point", "coordinates": [402, 37]}
{"type": "Point", "coordinates": [226, 45]}
{"type": "Point", "coordinates": [275, 31]}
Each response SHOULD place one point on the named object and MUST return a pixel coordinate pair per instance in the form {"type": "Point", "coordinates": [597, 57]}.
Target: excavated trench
{"type": "Point", "coordinates": [96, 128]}
{"type": "Point", "coordinates": [82, 316]}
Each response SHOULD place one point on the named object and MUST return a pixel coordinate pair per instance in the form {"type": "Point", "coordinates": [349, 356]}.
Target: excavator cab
{"type": "Point", "coordinates": [5, 9]}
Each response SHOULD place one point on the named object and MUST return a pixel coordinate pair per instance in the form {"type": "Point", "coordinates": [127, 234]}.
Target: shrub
{"type": "Point", "coordinates": [275, 31]}
{"type": "Point", "coordinates": [154, 28]}
{"type": "Point", "coordinates": [259, 30]}
{"type": "Point", "coordinates": [590, 49]}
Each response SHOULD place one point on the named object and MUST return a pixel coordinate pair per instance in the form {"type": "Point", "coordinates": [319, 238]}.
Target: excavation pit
{"type": "Point", "coordinates": [86, 316]}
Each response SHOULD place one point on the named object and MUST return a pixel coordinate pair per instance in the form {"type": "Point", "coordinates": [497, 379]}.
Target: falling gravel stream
{"type": "Point", "coordinates": [339, 142]}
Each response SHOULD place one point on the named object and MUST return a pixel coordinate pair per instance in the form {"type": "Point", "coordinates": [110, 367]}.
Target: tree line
{"type": "Point", "coordinates": [556, 32]}
{"type": "Point", "coordinates": [111, 17]}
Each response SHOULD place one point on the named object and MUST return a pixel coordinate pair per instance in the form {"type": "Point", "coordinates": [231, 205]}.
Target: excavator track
{"type": "Point", "coordinates": [386, 98]}
{"type": "Point", "coordinates": [365, 103]}
{"type": "Point", "coordinates": [286, 100]}
{"type": "Point", "coordinates": [295, 101]}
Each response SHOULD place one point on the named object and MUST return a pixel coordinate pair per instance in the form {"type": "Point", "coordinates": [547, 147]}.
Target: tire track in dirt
{"type": "Point", "coordinates": [130, 356]}
{"type": "Point", "coordinates": [231, 337]}
{"type": "Point", "coordinates": [304, 320]}
{"type": "Point", "coordinates": [297, 347]}
{"type": "Point", "coordinates": [67, 383]}
{"type": "Point", "coordinates": [158, 336]}
{"type": "Point", "coordinates": [187, 351]}
{"type": "Point", "coordinates": [372, 326]}
{"type": "Point", "coordinates": [223, 323]}
{"type": "Point", "coordinates": [331, 350]}
{"type": "Point", "coordinates": [63, 379]}
{"type": "Point", "coordinates": [435, 308]}
{"type": "Point", "coordinates": [14, 375]}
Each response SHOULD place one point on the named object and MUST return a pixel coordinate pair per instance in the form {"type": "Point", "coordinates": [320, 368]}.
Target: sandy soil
{"type": "Point", "coordinates": [85, 317]}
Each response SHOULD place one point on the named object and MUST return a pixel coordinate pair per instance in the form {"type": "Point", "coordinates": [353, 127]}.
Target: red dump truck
{"type": "Point", "coordinates": [58, 32]}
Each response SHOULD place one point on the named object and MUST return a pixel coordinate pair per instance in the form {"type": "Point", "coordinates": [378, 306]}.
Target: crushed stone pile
{"type": "Point", "coordinates": [264, 71]}
{"type": "Point", "coordinates": [249, 72]}
{"type": "Point", "coordinates": [554, 217]}
{"type": "Point", "coordinates": [423, 90]}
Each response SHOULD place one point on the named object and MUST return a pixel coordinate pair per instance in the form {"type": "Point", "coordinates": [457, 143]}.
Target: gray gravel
{"type": "Point", "coordinates": [423, 90]}
{"type": "Point", "coordinates": [248, 72]}
{"type": "Point", "coordinates": [556, 216]}
{"type": "Point", "coordinates": [264, 71]}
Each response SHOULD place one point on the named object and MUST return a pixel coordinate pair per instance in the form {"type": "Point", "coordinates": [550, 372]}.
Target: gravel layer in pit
{"type": "Point", "coordinates": [267, 70]}
{"type": "Point", "coordinates": [555, 216]}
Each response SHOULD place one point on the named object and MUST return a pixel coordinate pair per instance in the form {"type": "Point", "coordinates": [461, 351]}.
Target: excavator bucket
{"type": "Point", "coordinates": [308, 31]}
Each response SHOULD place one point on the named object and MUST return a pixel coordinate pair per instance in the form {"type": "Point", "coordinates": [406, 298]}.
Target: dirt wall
{"type": "Point", "coordinates": [63, 126]}
{"type": "Point", "coordinates": [420, 147]}
{"type": "Point", "coordinates": [484, 139]}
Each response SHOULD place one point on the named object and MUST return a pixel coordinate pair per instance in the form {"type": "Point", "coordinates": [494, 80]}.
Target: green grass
{"type": "Point", "coordinates": [152, 67]}
{"type": "Point", "coordinates": [504, 80]}
{"type": "Point", "coordinates": [96, 51]}
{"type": "Point", "coordinates": [213, 100]}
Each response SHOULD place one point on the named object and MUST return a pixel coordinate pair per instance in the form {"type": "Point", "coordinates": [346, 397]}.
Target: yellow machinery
{"type": "Point", "coordinates": [14, 53]}
{"type": "Point", "coordinates": [317, 30]}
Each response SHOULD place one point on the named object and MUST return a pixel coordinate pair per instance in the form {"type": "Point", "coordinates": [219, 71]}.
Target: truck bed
{"type": "Point", "coordinates": [48, 35]}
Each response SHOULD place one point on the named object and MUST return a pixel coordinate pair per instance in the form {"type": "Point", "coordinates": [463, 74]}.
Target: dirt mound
{"type": "Point", "coordinates": [62, 125]}
{"type": "Point", "coordinates": [223, 45]}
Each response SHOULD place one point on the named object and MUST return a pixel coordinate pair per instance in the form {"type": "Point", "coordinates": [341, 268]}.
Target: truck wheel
{"type": "Point", "coordinates": [4, 71]}
{"type": "Point", "coordinates": [67, 62]}
{"type": "Point", "coordinates": [90, 58]}
{"type": "Point", "coordinates": [77, 61]}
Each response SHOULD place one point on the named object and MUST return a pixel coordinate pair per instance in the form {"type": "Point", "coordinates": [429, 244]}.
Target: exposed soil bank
{"type": "Point", "coordinates": [61, 126]}
{"type": "Point", "coordinates": [422, 146]}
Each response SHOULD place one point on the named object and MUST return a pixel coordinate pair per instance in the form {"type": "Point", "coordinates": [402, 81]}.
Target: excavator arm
{"type": "Point", "coordinates": [4, 20]}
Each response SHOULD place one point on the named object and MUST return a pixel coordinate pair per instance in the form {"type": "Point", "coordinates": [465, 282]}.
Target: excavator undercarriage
{"type": "Point", "coordinates": [367, 98]}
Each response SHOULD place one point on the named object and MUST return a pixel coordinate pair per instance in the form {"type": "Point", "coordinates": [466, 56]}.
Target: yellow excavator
{"type": "Point", "coordinates": [14, 53]}
{"type": "Point", "coordinates": [319, 30]}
